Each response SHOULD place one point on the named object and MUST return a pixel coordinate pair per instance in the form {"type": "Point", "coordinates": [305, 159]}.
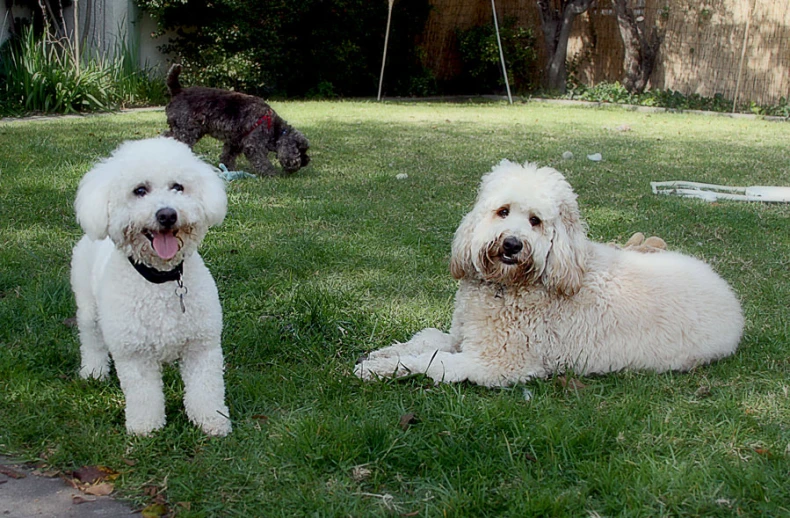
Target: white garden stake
{"type": "Point", "coordinates": [710, 192]}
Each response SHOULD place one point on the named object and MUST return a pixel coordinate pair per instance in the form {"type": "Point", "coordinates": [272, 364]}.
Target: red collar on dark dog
{"type": "Point", "coordinates": [266, 117]}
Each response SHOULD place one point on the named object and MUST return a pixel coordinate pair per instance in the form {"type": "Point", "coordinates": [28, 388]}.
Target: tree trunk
{"type": "Point", "coordinates": [557, 24]}
{"type": "Point", "coordinates": [640, 51]}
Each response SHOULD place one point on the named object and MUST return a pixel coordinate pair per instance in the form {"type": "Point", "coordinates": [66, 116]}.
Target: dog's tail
{"type": "Point", "coordinates": [173, 85]}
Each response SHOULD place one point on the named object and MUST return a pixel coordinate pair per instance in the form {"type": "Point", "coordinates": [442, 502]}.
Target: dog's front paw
{"type": "Point", "coordinates": [143, 428]}
{"type": "Point", "coordinates": [218, 426]}
{"type": "Point", "coordinates": [213, 420]}
{"type": "Point", "coordinates": [430, 339]}
{"type": "Point", "coordinates": [391, 351]}
{"type": "Point", "coordinates": [380, 367]}
{"type": "Point", "coordinates": [99, 372]}
{"type": "Point", "coordinates": [638, 243]}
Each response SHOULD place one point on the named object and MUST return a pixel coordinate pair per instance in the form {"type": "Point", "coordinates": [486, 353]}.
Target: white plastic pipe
{"type": "Point", "coordinates": [501, 54]}
{"type": "Point", "coordinates": [386, 41]}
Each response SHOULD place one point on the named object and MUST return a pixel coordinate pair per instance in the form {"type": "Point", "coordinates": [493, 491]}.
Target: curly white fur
{"type": "Point", "coordinates": [537, 298]}
{"type": "Point", "coordinates": [120, 205]}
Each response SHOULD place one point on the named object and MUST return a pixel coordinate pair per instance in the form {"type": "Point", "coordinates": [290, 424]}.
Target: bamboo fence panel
{"type": "Point", "coordinates": [701, 52]}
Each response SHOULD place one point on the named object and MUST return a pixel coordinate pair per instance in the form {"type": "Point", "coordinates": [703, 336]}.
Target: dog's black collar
{"type": "Point", "coordinates": [158, 276]}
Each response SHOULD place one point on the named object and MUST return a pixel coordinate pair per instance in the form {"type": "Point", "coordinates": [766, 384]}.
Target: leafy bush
{"type": "Point", "coordinates": [41, 75]}
{"type": "Point", "coordinates": [782, 109]}
{"type": "Point", "coordinates": [479, 53]}
{"type": "Point", "coordinates": [671, 99]}
{"type": "Point", "coordinates": [605, 93]}
{"type": "Point", "coordinates": [306, 48]}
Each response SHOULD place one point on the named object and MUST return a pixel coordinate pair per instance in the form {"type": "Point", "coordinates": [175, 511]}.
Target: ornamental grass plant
{"type": "Point", "coordinates": [39, 74]}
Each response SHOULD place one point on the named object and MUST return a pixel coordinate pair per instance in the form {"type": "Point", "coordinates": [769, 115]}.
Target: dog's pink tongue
{"type": "Point", "coordinates": [165, 245]}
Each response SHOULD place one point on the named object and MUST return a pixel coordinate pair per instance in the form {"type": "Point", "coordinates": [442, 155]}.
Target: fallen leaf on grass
{"type": "Point", "coordinates": [50, 473]}
{"type": "Point", "coordinates": [702, 392]}
{"type": "Point", "coordinates": [93, 480]}
{"type": "Point", "coordinates": [94, 474]}
{"type": "Point", "coordinates": [154, 511]}
{"type": "Point", "coordinates": [5, 470]}
{"type": "Point", "coordinates": [530, 458]}
{"type": "Point", "coordinates": [406, 420]}
{"type": "Point", "coordinates": [103, 489]}
{"type": "Point", "coordinates": [157, 495]}
{"type": "Point", "coordinates": [360, 473]}
{"type": "Point", "coordinates": [571, 384]}
{"type": "Point", "coordinates": [762, 451]}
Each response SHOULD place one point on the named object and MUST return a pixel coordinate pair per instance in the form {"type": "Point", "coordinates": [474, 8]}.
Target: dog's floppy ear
{"type": "Point", "coordinates": [461, 263]}
{"type": "Point", "coordinates": [93, 201]}
{"type": "Point", "coordinates": [565, 263]}
{"type": "Point", "coordinates": [301, 141]}
{"type": "Point", "coordinates": [212, 194]}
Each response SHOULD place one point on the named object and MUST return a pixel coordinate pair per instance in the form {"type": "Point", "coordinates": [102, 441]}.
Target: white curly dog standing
{"type": "Point", "coordinates": [536, 297]}
{"type": "Point", "coordinates": [143, 294]}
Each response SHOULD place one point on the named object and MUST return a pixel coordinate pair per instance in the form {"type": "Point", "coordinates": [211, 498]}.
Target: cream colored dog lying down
{"type": "Point", "coordinates": [536, 297]}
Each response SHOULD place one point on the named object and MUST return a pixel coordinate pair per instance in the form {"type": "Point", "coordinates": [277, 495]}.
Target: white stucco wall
{"type": "Point", "coordinates": [101, 24]}
{"type": "Point", "coordinates": [150, 56]}
{"type": "Point", "coordinates": [7, 18]}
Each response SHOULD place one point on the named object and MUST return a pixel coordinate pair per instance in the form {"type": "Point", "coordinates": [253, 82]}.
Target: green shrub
{"type": "Point", "coordinates": [479, 51]}
{"type": "Point", "coordinates": [617, 94]}
{"type": "Point", "coordinates": [605, 93]}
{"type": "Point", "coordinates": [781, 109]}
{"type": "Point", "coordinates": [306, 48]}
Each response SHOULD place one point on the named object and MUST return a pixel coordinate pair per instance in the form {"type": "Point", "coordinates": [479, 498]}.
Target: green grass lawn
{"type": "Point", "coordinates": [317, 268]}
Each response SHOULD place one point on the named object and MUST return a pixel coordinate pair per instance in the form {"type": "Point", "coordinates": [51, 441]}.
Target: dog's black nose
{"type": "Point", "coordinates": [166, 217]}
{"type": "Point", "coordinates": [512, 245]}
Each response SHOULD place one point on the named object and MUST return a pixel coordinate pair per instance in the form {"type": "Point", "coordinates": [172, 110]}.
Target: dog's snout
{"type": "Point", "coordinates": [166, 217]}
{"type": "Point", "coordinates": [512, 245]}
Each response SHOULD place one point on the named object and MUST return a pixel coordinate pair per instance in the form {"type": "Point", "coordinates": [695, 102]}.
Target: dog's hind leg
{"type": "Point", "coordinates": [204, 389]}
{"type": "Point", "coordinates": [94, 356]}
{"type": "Point", "coordinates": [141, 382]}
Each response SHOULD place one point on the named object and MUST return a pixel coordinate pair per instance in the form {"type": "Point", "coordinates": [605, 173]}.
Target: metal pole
{"type": "Point", "coordinates": [386, 41]}
{"type": "Point", "coordinates": [743, 54]}
{"type": "Point", "coordinates": [501, 54]}
{"type": "Point", "coordinates": [77, 56]}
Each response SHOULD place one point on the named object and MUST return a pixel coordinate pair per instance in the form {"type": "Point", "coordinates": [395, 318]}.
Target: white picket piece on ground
{"type": "Point", "coordinates": [711, 192]}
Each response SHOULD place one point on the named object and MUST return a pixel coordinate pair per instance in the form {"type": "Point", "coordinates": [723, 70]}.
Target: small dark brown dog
{"type": "Point", "coordinates": [245, 123]}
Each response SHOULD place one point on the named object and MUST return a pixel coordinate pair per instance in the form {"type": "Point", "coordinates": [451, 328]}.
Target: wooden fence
{"type": "Point", "coordinates": [710, 47]}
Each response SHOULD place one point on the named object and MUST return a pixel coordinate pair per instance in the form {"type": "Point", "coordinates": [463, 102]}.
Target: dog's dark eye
{"type": "Point", "coordinates": [534, 221]}
{"type": "Point", "coordinates": [177, 187]}
{"type": "Point", "coordinates": [503, 212]}
{"type": "Point", "coordinates": [140, 191]}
